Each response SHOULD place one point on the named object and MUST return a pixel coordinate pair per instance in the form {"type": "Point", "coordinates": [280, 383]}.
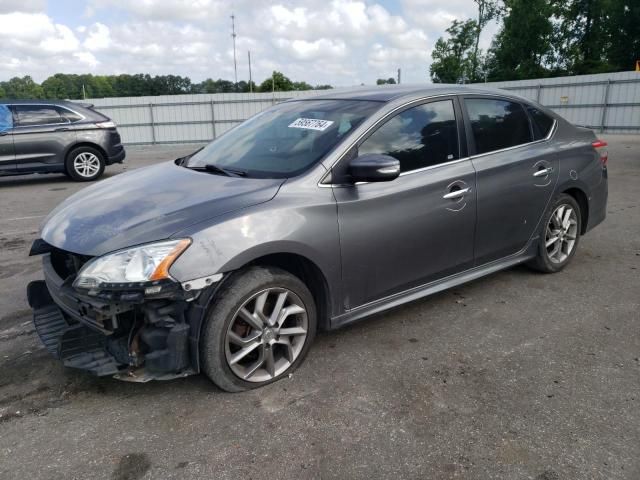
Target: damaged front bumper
{"type": "Point", "coordinates": [134, 334]}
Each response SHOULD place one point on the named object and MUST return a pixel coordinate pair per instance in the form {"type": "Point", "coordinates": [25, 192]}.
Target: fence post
{"type": "Point", "coordinates": [153, 125]}
{"type": "Point", "coordinates": [213, 119]}
{"type": "Point", "coordinates": [605, 105]}
{"type": "Point", "coordinates": [538, 93]}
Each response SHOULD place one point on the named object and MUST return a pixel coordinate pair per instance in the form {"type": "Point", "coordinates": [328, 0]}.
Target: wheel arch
{"type": "Point", "coordinates": [307, 271]}
{"type": "Point", "coordinates": [296, 264]}
{"type": "Point", "coordinates": [95, 146]}
{"type": "Point", "coordinates": [583, 202]}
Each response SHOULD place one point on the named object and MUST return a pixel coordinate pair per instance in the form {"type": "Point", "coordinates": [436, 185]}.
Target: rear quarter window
{"type": "Point", "coordinates": [69, 115]}
{"type": "Point", "coordinates": [540, 122]}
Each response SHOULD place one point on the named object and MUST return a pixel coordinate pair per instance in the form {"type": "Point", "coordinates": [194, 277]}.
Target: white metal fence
{"type": "Point", "coordinates": [606, 102]}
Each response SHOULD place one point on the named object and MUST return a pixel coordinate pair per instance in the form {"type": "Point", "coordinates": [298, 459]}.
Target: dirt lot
{"type": "Point", "coordinates": [515, 376]}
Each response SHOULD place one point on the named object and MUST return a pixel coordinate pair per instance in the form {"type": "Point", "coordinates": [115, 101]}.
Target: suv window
{"type": "Point", "coordinates": [540, 122]}
{"type": "Point", "coordinates": [419, 137]}
{"type": "Point", "coordinates": [27, 115]}
{"type": "Point", "coordinates": [69, 115]}
{"type": "Point", "coordinates": [497, 124]}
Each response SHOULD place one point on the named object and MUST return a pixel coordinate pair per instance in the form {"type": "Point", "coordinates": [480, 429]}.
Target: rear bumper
{"type": "Point", "coordinates": [117, 157]}
{"type": "Point", "coordinates": [129, 337]}
{"type": "Point", "coordinates": [598, 202]}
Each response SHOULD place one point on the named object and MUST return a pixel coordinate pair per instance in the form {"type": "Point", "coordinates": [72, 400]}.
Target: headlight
{"type": "Point", "coordinates": [146, 263]}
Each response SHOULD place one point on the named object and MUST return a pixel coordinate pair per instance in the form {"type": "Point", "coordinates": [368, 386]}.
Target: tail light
{"type": "Point", "coordinates": [601, 148]}
{"type": "Point", "coordinates": [109, 124]}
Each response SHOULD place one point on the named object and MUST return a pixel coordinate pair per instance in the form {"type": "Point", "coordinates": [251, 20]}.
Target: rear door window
{"type": "Point", "coordinates": [418, 137]}
{"type": "Point", "coordinates": [497, 124]}
{"type": "Point", "coordinates": [540, 122]}
{"type": "Point", "coordinates": [32, 115]}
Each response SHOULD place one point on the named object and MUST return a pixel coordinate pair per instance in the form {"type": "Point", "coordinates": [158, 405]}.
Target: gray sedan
{"type": "Point", "coordinates": [312, 214]}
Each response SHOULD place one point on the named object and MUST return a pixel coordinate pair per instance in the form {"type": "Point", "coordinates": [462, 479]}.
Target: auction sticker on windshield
{"type": "Point", "coordinates": [311, 124]}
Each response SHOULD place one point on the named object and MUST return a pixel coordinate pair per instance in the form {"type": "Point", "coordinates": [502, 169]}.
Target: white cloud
{"type": "Point", "coordinates": [86, 58]}
{"type": "Point", "coordinates": [9, 6]}
{"type": "Point", "coordinates": [98, 37]}
{"type": "Point", "coordinates": [342, 42]}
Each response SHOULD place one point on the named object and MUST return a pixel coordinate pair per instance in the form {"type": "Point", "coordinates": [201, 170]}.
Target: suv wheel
{"type": "Point", "coordinates": [259, 329]}
{"type": "Point", "coordinates": [559, 236]}
{"type": "Point", "coordinates": [84, 164]}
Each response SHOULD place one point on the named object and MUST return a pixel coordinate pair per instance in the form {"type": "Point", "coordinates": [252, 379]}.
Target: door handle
{"type": "Point", "coordinates": [457, 193]}
{"type": "Point", "coordinates": [543, 172]}
{"type": "Point", "coordinates": [62, 129]}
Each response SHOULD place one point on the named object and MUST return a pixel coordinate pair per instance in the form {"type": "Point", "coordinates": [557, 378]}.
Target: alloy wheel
{"type": "Point", "coordinates": [561, 233]}
{"type": "Point", "coordinates": [266, 335]}
{"type": "Point", "coordinates": [86, 164]}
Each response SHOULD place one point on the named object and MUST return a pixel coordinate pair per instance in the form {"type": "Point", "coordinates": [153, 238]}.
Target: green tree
{"type": "Point", "coordinates": [55, 87]}
{"type": "Point", "coordinates": [452, 58]}
{"type": "Point", "coordinates": [23, 87]}
{"type": "Point", "coordinates": [523, 47]}
{"type": "Point", "coordinates": [214, 86]}
{"type": "Point", "coordinates": [388, 81]}
{"type": "Point", "coordinates": [623, 48]}
{"type": "Point", "coordinates": [282, 83]}
{"type": "Point", "coordinates": [487, 11]}
{"type": "Point", "coordinates": [582, 35]}
{"type": "Point", "coordinates": [302, 86]}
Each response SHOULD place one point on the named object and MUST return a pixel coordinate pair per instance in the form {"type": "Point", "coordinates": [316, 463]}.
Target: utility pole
{"type": "Point", "coordinates": [250, 83]}
{"type": "Point", "coordinates": [233, 35]}
{"type": "Point", "coordinates": [398, 76]}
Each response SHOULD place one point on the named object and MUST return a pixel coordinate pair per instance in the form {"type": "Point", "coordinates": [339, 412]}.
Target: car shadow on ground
{"type": "Point", "coordinates": [34, 382]}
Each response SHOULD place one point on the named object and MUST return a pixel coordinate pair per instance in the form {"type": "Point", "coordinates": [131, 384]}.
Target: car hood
{"type": "Point", "coordinates": [146, 205]}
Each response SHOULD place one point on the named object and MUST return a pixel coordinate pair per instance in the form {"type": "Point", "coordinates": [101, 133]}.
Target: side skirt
{"type": "Point", "coordinates": [422, 291]}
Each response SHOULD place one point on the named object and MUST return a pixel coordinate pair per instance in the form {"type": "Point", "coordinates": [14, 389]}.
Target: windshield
{"type": "Point", "coordinates": [286, 139]}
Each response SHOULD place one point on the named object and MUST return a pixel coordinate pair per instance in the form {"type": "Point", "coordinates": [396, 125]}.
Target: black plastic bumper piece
{"type": "Point", "coordinates": [76, 345]}
{"type": "Point", "coordinates": [47, 318]}
{"type": "Point", "coordinates": [97, 361]}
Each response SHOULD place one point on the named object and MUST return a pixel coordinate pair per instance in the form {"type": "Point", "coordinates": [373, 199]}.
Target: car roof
{"type": "Point", "coordinates": [28, 101]}
{"type": "Point", "coordinates": [387, 93]}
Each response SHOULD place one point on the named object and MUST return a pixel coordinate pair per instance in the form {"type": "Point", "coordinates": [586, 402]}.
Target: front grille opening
{"type": "Point", "coordinates": [67, 264]}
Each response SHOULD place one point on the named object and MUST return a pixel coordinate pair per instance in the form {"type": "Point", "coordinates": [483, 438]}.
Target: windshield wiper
{"type": "Point", "coordinates": [229, 172]}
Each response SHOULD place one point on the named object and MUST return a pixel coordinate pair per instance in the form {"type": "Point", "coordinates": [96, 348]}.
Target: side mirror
{"type": "Point", "coordinates": [374, 167]}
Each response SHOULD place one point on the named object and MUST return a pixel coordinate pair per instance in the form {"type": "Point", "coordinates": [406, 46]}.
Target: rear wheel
{"type": "Point", "coordinates": [259, 329]}
{"type": "Point", "coordinates": [84, 164]}
{"type": "Point", "coordinates": [559, 236]}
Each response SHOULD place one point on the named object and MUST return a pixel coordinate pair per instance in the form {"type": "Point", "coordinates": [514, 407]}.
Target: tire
{"type": "Point", "coordinates": [84, 164]}
{"type": "Point", "coordinates": [242, 349]}
{"type": "Point", "coordinates": [553, 257]}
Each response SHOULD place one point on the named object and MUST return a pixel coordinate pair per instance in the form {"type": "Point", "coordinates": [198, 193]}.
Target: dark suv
{"type": "Point", "coordinates": [39, 136]}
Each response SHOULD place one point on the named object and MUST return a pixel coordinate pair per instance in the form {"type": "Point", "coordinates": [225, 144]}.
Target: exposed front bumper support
{"type": "Point", "coordinates": [125, 333]}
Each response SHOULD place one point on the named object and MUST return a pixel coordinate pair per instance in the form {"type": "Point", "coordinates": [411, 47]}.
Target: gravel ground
{"type": "Point", "coordinates": [515, 376]}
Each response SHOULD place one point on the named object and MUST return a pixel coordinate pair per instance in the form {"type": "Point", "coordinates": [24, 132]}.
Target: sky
{"type": "Point", "coordinates": [339, 42]}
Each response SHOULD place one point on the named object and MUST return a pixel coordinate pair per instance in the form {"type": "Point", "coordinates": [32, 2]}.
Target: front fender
{"type": "Point", "coordinates": [308, 229]}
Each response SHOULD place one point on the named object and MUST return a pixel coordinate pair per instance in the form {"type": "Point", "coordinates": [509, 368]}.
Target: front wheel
{"type": "Point", "coordinates": [259, 329]}
{"type": "Point", "coordinates": [84, 164]}
{"type": "Point", "coordinates": [559, 236]}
